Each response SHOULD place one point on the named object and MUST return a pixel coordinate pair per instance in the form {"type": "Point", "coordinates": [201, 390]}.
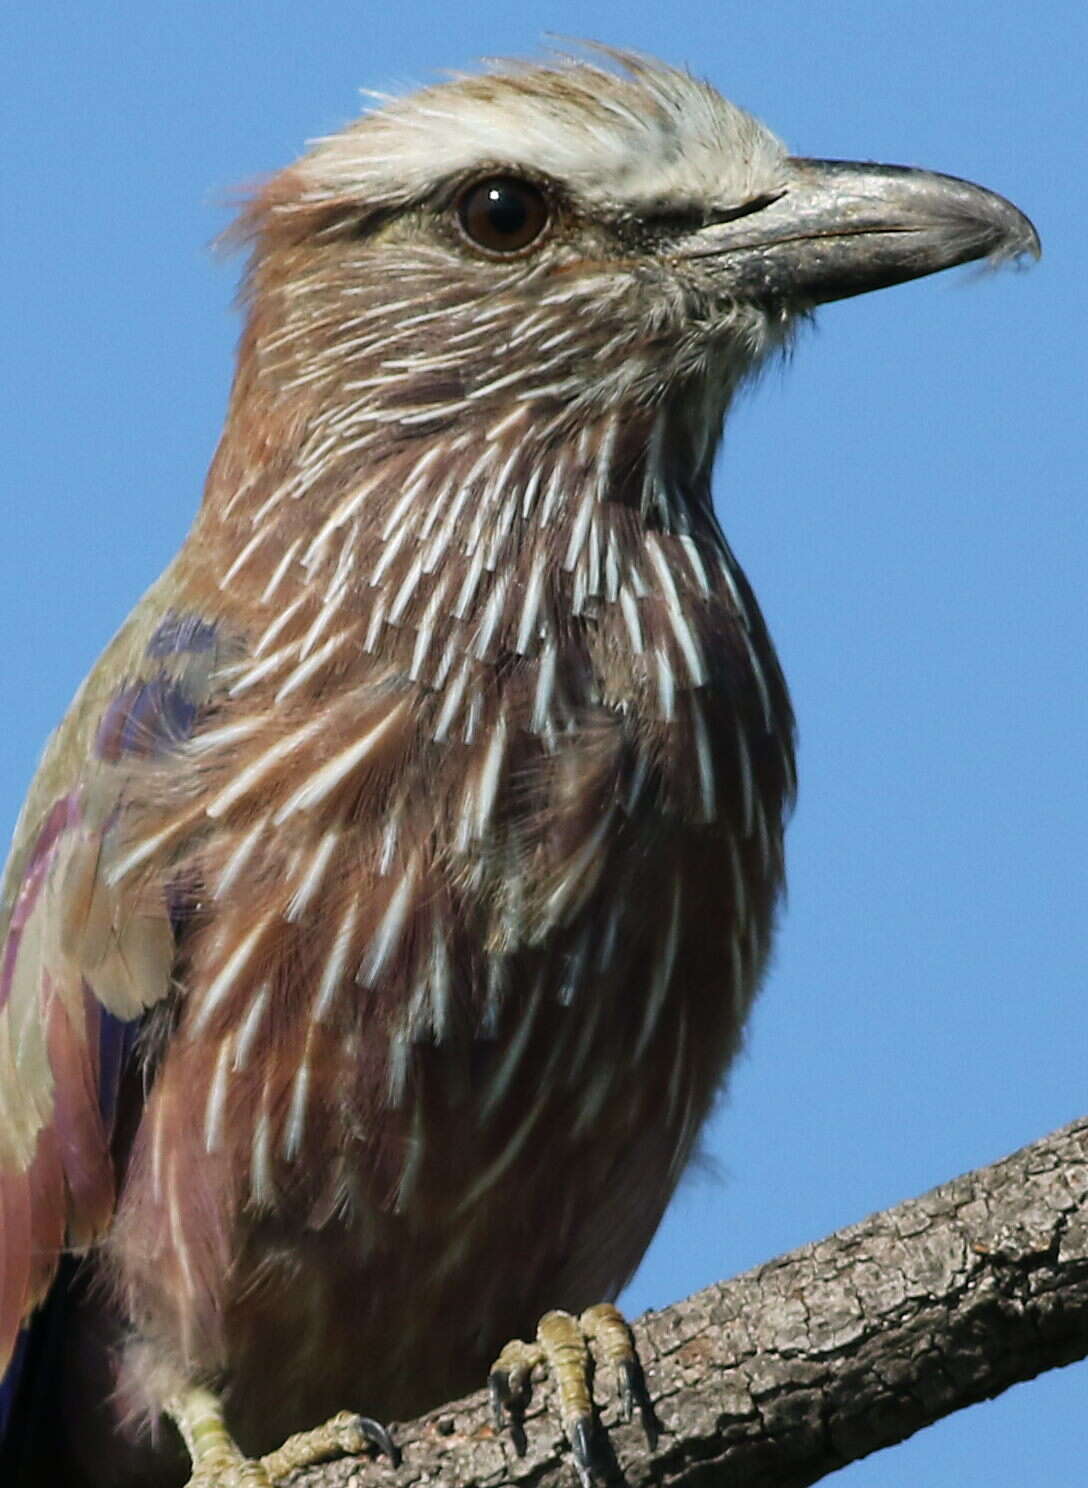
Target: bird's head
{"type": "Point", "coordinates": [527, 252]}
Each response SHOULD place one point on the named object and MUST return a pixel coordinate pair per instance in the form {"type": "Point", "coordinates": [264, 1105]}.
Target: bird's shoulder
{"type": "Point", "coordinates": [149, 691]}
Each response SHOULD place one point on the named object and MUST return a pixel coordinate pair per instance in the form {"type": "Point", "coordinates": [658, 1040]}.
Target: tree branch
{"type": "Point", "coordinates": [822, 1356]}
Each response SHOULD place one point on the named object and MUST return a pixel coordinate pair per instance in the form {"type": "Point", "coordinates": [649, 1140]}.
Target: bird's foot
{"type": "Point", "coordinates": [219, 1463]}
{"type": "Point", "coordinates": [344, 1435]}
{"type": "Point", "coordinates": [567, 1348]}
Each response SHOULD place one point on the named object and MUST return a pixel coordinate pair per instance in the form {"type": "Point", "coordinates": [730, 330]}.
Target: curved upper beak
{"type": "Point", "coordinates": [838, 228]}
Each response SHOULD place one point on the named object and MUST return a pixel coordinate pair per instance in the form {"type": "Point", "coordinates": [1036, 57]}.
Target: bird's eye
{"type": "Point", "coordinates": [503, 214]}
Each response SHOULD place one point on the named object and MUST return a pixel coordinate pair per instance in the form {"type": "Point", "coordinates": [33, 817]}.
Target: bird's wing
{"type": "Point", "coordinates": [84, 952]}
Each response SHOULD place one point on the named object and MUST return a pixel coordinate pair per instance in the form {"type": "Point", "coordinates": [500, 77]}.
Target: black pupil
{"type": "Point", "coordinates": [506, 210]}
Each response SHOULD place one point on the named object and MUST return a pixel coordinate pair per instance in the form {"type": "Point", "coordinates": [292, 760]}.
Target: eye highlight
{"type": "Point", "coordinates": [503, 214]}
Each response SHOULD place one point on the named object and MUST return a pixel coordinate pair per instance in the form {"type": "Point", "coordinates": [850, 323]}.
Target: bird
{"type": "Point", "coordinates": [383, 919]}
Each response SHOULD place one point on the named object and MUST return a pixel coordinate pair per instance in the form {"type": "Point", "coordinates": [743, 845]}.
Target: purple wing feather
{"type": "Point", "coordinates": [81, 961]}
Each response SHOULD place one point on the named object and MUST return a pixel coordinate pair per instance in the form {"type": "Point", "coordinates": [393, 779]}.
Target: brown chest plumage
{"type": "Point", "coordinates": [471, 941]}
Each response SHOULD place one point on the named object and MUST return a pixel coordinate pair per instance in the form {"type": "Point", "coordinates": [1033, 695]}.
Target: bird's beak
{"type": "Point", "coordinates": [838, 228]}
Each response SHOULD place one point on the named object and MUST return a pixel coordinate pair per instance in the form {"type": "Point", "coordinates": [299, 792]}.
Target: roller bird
{"type": "Point", "coordinates": [384, 916]}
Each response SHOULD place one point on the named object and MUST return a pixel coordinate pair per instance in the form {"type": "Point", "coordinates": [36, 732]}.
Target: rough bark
{"type": "Point", "coordinates": [820, 1357]}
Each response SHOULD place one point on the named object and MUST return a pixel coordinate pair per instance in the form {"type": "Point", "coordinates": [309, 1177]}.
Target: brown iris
{"type": "Point", "coordinates": [503, 214]}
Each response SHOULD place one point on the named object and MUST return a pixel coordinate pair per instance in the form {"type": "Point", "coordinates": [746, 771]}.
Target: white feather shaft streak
{"type": "Point", "coordinates": [333, 973]}
{"type": "Point", "coordinates": [704, 758]}
{"type": "Point", "coordinates": [504, 1074]}
{"type": "Point", "coordinates": [629, 607]}
{"type": "Point", "coordinates": [425, 631]}
{"type": "Point", "coordinates": [239, 857]}
{"type": "Point", "coordinates": [695, 563]}
{"type": "Point", "coordinates": [451, 703]}
{"type": "Point", "coordinates": [652, 474]}
{"type": "Point", "coordinates": [388, 933]}
{"type": "Point", "coordinates": [580, 876]}
{"type": "Point", "coordinates": [321, 623]}
{"type": "Point", "coordinates": [761, 683]}
{"type": "Point", "coordinates": [612, 568]}
{"type": "Point", "coordinates": [253, 774]}
{"type": "Point", "coordinates": [413, 485]}
{"type": "Point", "coordinates": [296, 1115]}
{"type": "Point", "coordinates": [343, 514]}
{"type": "Point", "coordinates": [389, 553]}
{"type": "Point", "coordinates": [500, 532]}
{"type": "Point", "coordinates": [144, 850]}
{"type": "Point", "coordinates": [545, 685]}
{"type": "Point", "coordinates": [310, 881]}
{"type": "Point", "coordinates": [554, 489]}
{"type": "Point", "coordinates": [408, 586]}
{"type": "Point", "coordinates": [530, 606]}
{"type": "Point", "coordinates": [679, 1065]}
{"type": "Point", "coordinates": [261, 514]}
{"type": "Point", "coordinates": [468, 587]}
{"type": "Point", "coordinates": [728, 568]}
{"type": "Point", "coordinates": [226, 736]}
{"type": "Point", "coordinates": [659, 988]}
{"type": "Point", "coordinates": [283, 619]}
{"type": "Point", "coordinates": [219, 987]}
{"type": "Point", "coordinates": [252, 674]}
{"type": "Point", "coordinates": [666, 683]}
{"type": "Point", "coordinates": [579, 530]}
{"type": "Point", "coordinates": [508, 379]}
{"type": "Point", "coordinates": [528, 496]}
{"type": "Point", "coordinates": [377, 620]}
{"type": "Point", "coordinates": [685, 635]}
{"type": "Point", "coordinates": [443, 536]}
{"type": "Point", "coordinates": [390, 833]}
{"type": "Point", "coordinates": [517, 415]}
{"type": "Point", "coordinates": [492, 614]}
{"type": "Point", "coordinates": [747, 801]}
{"type": "Point", "coordinates": [441, 977]}
{"type": "Point", "coordinates": [243, 557]}
{"type": "Point", "coordinates": [399, 1056]}
{"type": "Point", "coordinates": [247, 1033]}
{"type": "Point", "coordinates": [318, 786]}
{"type": "Point", "coordinates": [312, 664]}
{"type": "Point", "coordinates": [217, 1099]}
{"type": "Point", "coordinates": [278, 572]}
{"type": "Point", "coordinates": [489, 775]}
{"type": "Point", "coordinates": [261, 1188]}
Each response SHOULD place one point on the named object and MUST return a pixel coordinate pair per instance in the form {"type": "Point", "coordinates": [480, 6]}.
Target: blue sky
{"type": "Point", "coordinates": [907, 495]}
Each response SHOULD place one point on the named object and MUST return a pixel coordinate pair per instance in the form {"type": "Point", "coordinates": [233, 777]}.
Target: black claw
{"type": "Point", "coordinates": [498, 1388]}
{"type": "Point", "coordinates": [628, 1388]}
{"type": "Point", "coordinates": [517, 1435]}
{"type": "Point", "coordinates": [507, 1409]}
{"type": "Point", "coordinates": [635, 1396]}
{"type": "Point", "coordinates": [379, 1436]}
{"type": "Point", "coordinates": [583, 1448]}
